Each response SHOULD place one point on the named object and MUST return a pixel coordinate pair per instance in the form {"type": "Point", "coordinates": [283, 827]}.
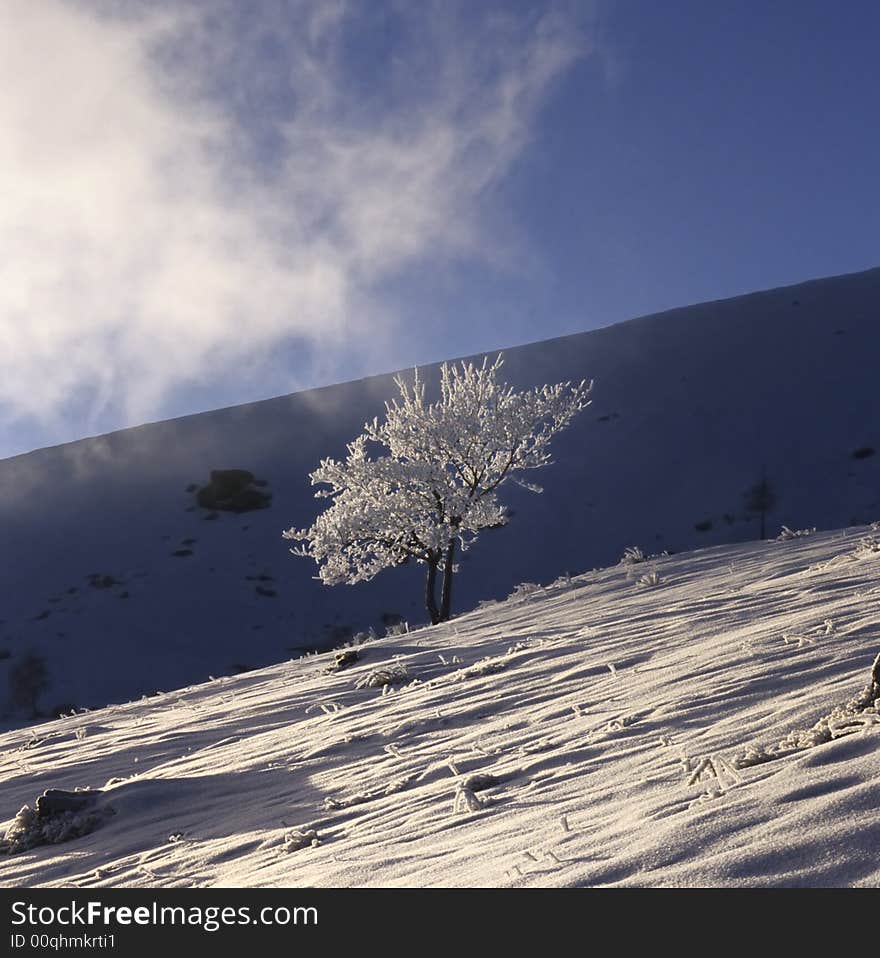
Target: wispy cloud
{"type": "Point", "coordinates": [185, 186]}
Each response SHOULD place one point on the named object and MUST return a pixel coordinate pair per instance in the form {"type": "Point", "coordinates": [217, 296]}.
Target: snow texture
{"type": "Point", "coordinates": [604, 752]}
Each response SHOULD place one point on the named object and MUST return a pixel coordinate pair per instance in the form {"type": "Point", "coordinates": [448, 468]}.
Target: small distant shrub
{"type": "Point", "coordinates": [787, 533]}
{"type": "Point", "coordinates": [632, 555]}
{"type": "Point", "coordinates": [524, 590]}
{"type": "Point", "coordinates": [761, 499]}
{"type": "Point", "coordinates": [863, 452]}
{"type": "Point", "coordinates": [28, 679]}
{"type": "Point", "coordinates": [561, 582]}
{"type": "Point", "coordinates": [385, 675]}
{"type": "Point", "coordinates": [869, 545]}
{"type": "Point", "coordinates": [650, 579]}
{"type": "Point", "coordinates": [703, 526]}
{"type": "Point", "coordinates": [399, 628]}
{"type": "Point", "coordinates": [635, 556]}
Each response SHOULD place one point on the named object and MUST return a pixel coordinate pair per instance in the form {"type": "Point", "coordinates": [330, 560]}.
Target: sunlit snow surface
{"type": "Point", "coordinates": [591, 703]}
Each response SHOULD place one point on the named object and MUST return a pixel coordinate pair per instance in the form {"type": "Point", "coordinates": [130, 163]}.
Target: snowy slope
{"type": "Point", "coordinates": [592, 703]}
{"type": "Point", "coordinates": [689, 407]}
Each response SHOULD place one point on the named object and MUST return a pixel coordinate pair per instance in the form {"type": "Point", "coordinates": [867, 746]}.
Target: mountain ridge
{"type": "Point", "coordinates": [463, 358]}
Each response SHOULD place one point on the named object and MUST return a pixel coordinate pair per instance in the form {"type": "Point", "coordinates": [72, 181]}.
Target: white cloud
{"type": "Point", "coordinates": [184, 187]}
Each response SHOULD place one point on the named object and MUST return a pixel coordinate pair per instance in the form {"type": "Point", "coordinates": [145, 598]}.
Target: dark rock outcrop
{"type": "Point", "coordinates": [233, 490]}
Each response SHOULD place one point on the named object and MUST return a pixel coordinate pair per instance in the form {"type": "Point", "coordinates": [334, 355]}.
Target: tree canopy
{"type": "Point", "coordinates": [434, 484]}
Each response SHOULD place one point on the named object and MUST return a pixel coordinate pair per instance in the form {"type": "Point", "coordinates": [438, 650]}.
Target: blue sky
{"type": "Point", "coordinates": [211, 203]}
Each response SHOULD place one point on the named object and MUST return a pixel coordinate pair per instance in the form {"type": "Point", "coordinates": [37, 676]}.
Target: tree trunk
{"type": "Point", "coordinates": [431, 591]}
{"type": "Point", "coordinates": [875, 678]}
{"type": "Point", "coordinates": [763, 525]}
{"type": "Point", "coordinates": [446, 595]}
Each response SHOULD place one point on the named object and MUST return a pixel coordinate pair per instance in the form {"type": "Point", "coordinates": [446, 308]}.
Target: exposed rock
{"type": "Point", "coordinates": [98, 581]}
{"type": "Point", "coordinates": [55, 801]}
{"type": "Point", "coordinates": [233, 490]}
{"type": "Point", "coordinates": [59, 816]}
{"type": "Point", "coordinates": [344, 658]}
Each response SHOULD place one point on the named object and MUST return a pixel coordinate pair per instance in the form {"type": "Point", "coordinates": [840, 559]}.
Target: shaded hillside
{"type": "Point", "coordinates": [108, 557]}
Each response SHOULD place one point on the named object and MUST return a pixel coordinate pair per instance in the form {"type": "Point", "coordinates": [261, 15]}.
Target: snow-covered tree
{"type": "Point", "coordinates": [435, 481]}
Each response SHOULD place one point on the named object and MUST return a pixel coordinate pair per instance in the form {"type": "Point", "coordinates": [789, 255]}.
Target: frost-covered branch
{"type": "Point", "coordinates": [434, 485]}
